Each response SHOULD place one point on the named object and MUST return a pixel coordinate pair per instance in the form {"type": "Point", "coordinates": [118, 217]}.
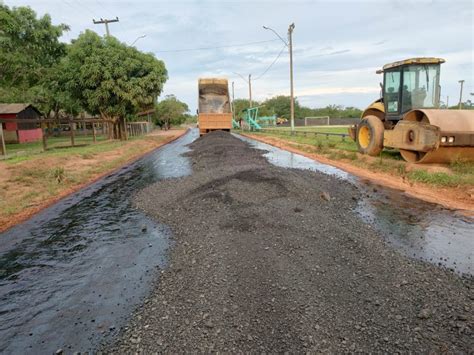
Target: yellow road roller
{"type": "Point", "coordinates": [407, 117]}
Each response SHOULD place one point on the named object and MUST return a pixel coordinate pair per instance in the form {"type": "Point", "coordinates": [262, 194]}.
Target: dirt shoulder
{"type": "Point", "coordinates": [459, 198]}
{"type": "Point", "coordinates": [275, 260]}
{"type": "Point", "coordinates": [33, 183]}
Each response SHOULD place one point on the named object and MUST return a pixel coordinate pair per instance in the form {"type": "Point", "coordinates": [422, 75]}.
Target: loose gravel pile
{"type": "Point", "coordinates": [271, 260]}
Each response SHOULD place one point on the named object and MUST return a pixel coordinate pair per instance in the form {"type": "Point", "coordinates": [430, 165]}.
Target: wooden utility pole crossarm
{"type": "Point", "coordinates": [106, 22]}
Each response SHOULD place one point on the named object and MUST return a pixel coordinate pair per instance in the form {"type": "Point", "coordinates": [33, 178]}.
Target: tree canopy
{"type": "Point", "coordinates": [170, 111]}
{"type": "Point", "coordinates": [29, 48]}
{"type": "Point", "coordinates": [110, 78]}
{"type": "Point", "coordinates": [280, 106]}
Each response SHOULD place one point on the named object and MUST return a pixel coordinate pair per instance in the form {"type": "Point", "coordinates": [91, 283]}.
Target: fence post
{"type": "Point", "coordinates": [94, 137]}
{"type": "Point", "coordinates": [3, 148]}
{"type": "Point", "coordinates": [45, 136]}
{"type": "Point", "coordinates": [71, 128]}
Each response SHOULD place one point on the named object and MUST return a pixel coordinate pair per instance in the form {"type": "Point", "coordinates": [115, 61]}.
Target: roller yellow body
{"type": "Point", "coordinates": [422, 134]}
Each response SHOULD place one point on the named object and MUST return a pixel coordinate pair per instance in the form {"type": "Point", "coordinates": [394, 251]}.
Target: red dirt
{"type": "Point", "coordinates": [458, 198]}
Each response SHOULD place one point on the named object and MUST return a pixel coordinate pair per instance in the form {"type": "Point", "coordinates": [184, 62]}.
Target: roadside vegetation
{"type": "Point", "coordinates": [457, 174]}
{"type": "Point", "coordinates": [97, 75]}
{"type": "Point", "coordinates": [280, 106]}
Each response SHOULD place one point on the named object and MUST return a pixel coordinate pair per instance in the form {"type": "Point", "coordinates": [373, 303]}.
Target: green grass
{"type": "Point", "coordinates": [324, 129]}
{"type": "Point", "coordinates": [53, 143]}
{"type": "Point", "coordinates": [321, 142]}
{"type": "Point", "coordinates": [325, 143]}
{"type": "Point", "coordinates": [438, 178]}
{"type": "Point", "coordinates": [59, 147]}
{"type": "Point", "coordinates": [462, 167]}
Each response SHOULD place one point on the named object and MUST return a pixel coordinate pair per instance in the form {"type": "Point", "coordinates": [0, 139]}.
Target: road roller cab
{"type": "Point", "coordinates": [407, 116]}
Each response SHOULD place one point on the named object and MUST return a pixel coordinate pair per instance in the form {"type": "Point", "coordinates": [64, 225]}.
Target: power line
{"type": "Point", "coordinates": [216, 47]}
{"type": "Point", "coordinates": [85, 7]}
{"type": "Point", "coordinates": [271, 65]}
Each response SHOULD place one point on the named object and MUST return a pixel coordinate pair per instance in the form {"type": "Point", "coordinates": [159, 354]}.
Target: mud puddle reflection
{"type": "Point", "coordinates": [71, 275]}
{"type": "Point", "coordinates": [416, 228]}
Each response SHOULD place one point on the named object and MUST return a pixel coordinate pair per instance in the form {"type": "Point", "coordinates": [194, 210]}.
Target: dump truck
{"type": "Point", "coordinates": [214, 105]}
{"type": "Point", "coordinates": [408, 117]}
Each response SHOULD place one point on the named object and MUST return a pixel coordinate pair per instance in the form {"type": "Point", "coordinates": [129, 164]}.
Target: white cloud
{"type": "Point", "coordinates": [338, 45]}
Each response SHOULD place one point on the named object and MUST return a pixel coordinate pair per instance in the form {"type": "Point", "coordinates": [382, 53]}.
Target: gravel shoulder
{"type": "Point", "coordinates": [272, 260]}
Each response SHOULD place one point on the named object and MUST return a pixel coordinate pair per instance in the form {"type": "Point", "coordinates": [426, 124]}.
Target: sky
{"type": "Point", "coordinates": [337, 45]}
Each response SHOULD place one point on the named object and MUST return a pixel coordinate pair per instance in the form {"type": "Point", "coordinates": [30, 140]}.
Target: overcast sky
{"type": "Point", "coordinates": [338, 45]}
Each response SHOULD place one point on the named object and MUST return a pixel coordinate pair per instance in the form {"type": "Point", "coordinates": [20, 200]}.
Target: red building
{"type": "Point", "coordinates": [20, 132]}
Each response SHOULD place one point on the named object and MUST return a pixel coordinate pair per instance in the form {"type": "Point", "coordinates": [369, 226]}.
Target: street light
{"type": "Point", "coordinates": [136, 39]}
{"type": "Point", "coordinates": [290, 47]}
{"type": "Point", "coordinates": [250, 86]}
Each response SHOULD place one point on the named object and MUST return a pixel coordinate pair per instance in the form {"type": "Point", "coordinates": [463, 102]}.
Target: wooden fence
{"type": "Point", "coordinates": [138, 128]}
{"type": "Point", "coordinates": [89, 126]}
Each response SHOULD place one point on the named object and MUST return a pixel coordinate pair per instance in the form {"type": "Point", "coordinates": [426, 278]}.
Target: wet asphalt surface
{"type": "Point", "coordinates": [71, 275]}
{"type": "Point", "coordinates": [272, 259]}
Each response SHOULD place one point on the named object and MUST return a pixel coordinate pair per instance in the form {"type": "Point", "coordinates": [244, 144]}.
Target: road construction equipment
{"type": "Point", "coordinates": [214, 105]}
{"type": "Point", "coordinates": [408, 117]}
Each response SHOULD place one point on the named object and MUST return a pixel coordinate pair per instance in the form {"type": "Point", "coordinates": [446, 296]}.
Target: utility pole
{"type": "Point", "coordinates": [249, 81]}
{"type": "Point", "coordinates": [250, 90]}
{"type": "Point", "coordinates": [106, 22]}
{"type": "Point", "coordinates": [292, 102]}
{"type": "Point", "coordinates": [232, 106]}
{"type": "Point", "coordinates": [460, 94]}
{"type": "Point", "coordinates": [447, 102]}
{"type": "Point", "coordinates": [290, 48]}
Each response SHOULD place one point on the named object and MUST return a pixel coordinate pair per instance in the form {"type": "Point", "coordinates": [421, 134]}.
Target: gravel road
{"type": "Point", "coordinates": [271, 260]}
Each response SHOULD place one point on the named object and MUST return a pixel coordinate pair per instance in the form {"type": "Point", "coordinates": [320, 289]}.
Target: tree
{"type": "Point", "coordinates": [241, 104]}
{"type": "Point", "coordinates": [51, 97]}
{"type": "Point", "coordinates": [29, 48]}
{"type": "Point", "coordinates": [170, 111]}
{"type": "Point", "coordinates": [280, 105]}
{"type": "Point", "coordinates": [110, 78]}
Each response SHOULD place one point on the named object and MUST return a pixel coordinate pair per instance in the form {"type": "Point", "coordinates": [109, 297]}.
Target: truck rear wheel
{"type": "Point", "coordinates": [370, 135]}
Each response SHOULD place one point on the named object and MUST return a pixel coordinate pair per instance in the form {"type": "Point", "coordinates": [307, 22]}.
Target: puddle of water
{"type": "Point", "coordinates": [285, 159]}
{"type": "Point", "coordinates": [72, 274]}
{"type": "Point", "coordinates": [418, 229]}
